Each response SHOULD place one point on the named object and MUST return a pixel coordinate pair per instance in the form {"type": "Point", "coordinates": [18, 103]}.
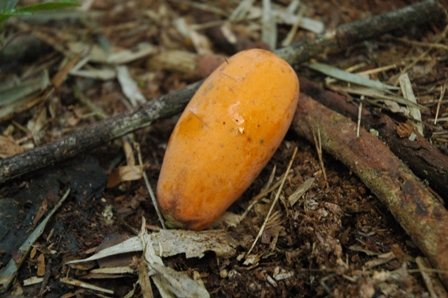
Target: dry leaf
{"type": "Point", "coordinates": [200, 41]}
{"type": "Point", "coordinates": [99, 55]}
{"type": "Point", "coordinates": [228, 219]}
{"type": "Point", "coordinates": [37, 123]}
{"type": "Point", "coordinates": [129, 86]}
{"type": "Point", "coordinates": [124, 173]}
{"type": "Point", "coordinates": [408, 93]}
{"type": "Point", "coordinates": [9, 148]}
{"type": "Point", "coordinates": [193, 243]}
{"type": "Point", "coordinates": [168, 280]}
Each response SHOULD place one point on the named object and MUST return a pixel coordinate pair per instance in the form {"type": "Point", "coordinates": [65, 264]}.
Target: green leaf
{"type": "Point", "coordinates": [7, 5]}
{"type": "Point", "coordinates": [7, 8]}
{"type": "Point", "coordinates": [4, 17]}
{"type": "Point", "coordinates": [48, 6]}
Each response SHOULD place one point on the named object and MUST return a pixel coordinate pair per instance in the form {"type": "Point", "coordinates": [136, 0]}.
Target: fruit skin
{"type": "Point", "coordinates": [227, 133]}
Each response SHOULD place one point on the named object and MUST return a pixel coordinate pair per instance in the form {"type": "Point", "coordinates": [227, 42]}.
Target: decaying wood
{"type": "Point", "coordinates": [173, 103]}
{"type": "Point", "coordinates": [424, 159]}
{"type": "Point", "coordinates": [420, 214]}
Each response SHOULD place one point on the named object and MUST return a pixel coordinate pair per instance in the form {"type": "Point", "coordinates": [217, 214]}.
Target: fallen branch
{"type": "Point", "coordinates": [96, 134]}
{"type": "Point", "coordinates": [349, 34]}
{"type": "Point", "coordinates": [424, 159]}
{"type": "Point", "coordinates": [420, 214]}
{"type": "Point", "coordinates": [173, 103]}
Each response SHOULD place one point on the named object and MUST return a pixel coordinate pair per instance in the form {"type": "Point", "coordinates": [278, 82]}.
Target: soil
{"type": "Point", "coordinates": [337, 240]}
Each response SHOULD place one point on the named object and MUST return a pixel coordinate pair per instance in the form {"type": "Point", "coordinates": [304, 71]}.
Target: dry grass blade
{"type": "Point", "coordinates": [377, 94]}
{"type": "Point", "coordinates": [241, 10]}
{"type": "Point", "coordinates": [408, 67]}
{"type": "Point", "coordinates": [439, 102]}
{"type": "Point", "coordinates": [408, 93]}
{"type": "Point", "coordinates": [9, 271]}
{"type": "Point", "coordinates": [289, 38]}
{"type": "Point", "coordinates": [269, 25]}
{"type": "Point", "coordinates": [423, 44]}
{"type": "Point", "coordinates": [318, 144]}
{"type": "Point", "coordinates": [273, 203]}
{"type": "Point", "coordinates": [296, 195]}
{"type": "Point", "coordinates": [377, 70]}
{"type": "Point", "coordinates": [270, 180]}
{"type": "Point", "coordinates": [98, 112]}
{"type": "Point", "coordinates": [349, 77]}
{"type": "Point", "coordinates": [264, 192]}
{"type": "Point", "coordinates": [358, 124]}
{"type": "Point", "coordinates": [435, 288]}
{"type": "Point", "coordinates": [129, 86]}
{"type": "Point", "coordinates": [148, 186]}
{"type": "Point", "coordinates": [85, 285]}
{"type": "Point", "coordinates": [276, 219]}
{"type": "Point", "coordinates": [10, 92]}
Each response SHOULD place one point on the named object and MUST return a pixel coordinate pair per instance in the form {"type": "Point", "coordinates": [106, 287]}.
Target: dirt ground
{"type": "Point", "coordinates": [336, 240]}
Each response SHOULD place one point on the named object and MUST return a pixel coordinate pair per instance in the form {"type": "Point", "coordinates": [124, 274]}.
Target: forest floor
{"type": "Point", "coordinates": [335, 239]}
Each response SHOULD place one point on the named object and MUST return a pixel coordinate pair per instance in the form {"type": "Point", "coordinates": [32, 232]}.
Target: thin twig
{"type": "Point", "coordinates": [258, 197]}
{"type": "Point", "coordinates": [358, 125]}
{"type": "Point", "coordinates": [148, 186]}
{"type": "Point", "coordinates": [318, 144]}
